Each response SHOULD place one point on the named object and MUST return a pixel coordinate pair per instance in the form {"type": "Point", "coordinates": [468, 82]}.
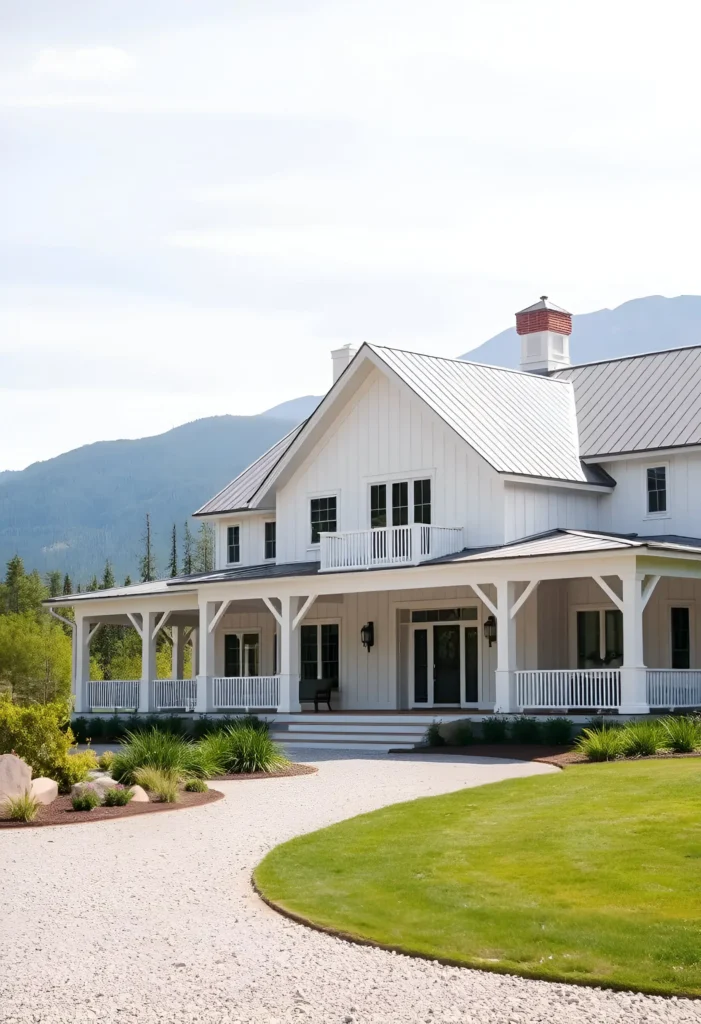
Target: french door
{"type": "Point", "coordinates": [445, 665]}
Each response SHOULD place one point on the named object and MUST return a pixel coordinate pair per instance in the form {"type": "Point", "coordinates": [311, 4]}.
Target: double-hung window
{"type": "Point", "coordinates": [270, 540]}
{"type": "Point", "coordinates": [319, 652]}
{"type": "Point", "coordinates": [233, 544]}
{"type": "Point", "coordinates": [656, 490]}
{"type": "Point", "coordinates": [323, 513]}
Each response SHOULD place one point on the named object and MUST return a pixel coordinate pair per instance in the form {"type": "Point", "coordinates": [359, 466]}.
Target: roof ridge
{"type": "Point", "coordinates": [620, 359]}
{"type": "Point", "coordinates": [463, 362]}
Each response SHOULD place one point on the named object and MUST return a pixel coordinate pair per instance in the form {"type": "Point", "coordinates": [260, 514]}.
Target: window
{"type": "Point", "coordinates": [400, 503]}
{"type": "Point", "coordinates": [319, 652]}
{"type": "Point", "coordinates": [233, 545]}
{"type": "Point", "coordinates": [378, 506]}
{"type": "Point", "coordinates": [241, 654]}
{"type": "Point", "coordinates": [422, 501]}
{"type": "Point", "coordinates": [599, 638]}
{"type": "Point", "coordinates": [323, 517]}
{"type": "Point", "coordinates": [681, 638]}
{"type": "Point", "coordinates": [270, 534]}
{"type": "Point", "coordinates": [656, 490]}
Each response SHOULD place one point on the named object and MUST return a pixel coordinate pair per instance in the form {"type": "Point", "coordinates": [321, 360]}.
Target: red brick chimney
{"type": "Point", "coordinates": [545, 329]}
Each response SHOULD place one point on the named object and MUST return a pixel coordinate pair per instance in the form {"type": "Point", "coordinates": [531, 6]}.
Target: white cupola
{"type": "Point", "coordinates": [545, 336]}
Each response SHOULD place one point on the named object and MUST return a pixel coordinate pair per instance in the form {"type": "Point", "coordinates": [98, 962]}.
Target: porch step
{"type": "Point", "coordinates": [351, 731]}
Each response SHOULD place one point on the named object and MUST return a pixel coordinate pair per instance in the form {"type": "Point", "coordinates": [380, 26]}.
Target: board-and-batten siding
{"type": "Point", "coordinates": [385, 433]}
{"type": "Point", "coordinates": [625, 510]}
{"type": "Point", "coordinates": [251, 538]}
{"type": "Point", "coordinates": [530, 509]}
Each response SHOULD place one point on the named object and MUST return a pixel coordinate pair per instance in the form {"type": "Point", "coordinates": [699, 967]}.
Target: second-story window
{"type": "Point", "coordinates": [378, 506]}
{"type": "Point", "coordinates": [422, 501]}
{"type": "Point", "coordinates": [323, 517]}
{"type": "Point", "coordinates": [656, 490]}
{"type": "Point", "coordinates": [233, 544]}
{"type": "Point", "coordinates": [270, 546]}
{"type": "Point", "coordinates": [400, 503]}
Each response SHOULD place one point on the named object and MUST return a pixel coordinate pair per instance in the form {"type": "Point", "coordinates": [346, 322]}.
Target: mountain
{"type": "Point", "coordinates": [641, 325]}
{"type": "Point", "coordinates": [72, 512]}
{"type": "Point", "coordinates": [296, 409]}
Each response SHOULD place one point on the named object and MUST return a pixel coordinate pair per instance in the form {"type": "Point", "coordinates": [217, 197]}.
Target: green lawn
{"type": "Point", "coordinates": [590, 875]}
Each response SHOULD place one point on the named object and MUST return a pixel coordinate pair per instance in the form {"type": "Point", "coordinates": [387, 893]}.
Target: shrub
{"type": "Point", "coordinates": [106, 760]}
{"type": "Point", "coordinates": [526, 730]}
{"type": "Point", "coordinates": [81, 730]}
{"type": "Point", "coordinates": [40, 735]}
{"type": "Point", "coordinates": [152, 749]}
{"type": "Point", "coordinates": [462, 734]}
{"type": "Point", "coordinates": [681, 733]}
{"type": "Point", "coordinates": [202, 726]}
{"type": "Point", "coordinates": [196, 786]}
{"type": "Point", "coordinates": [557, 732]}
{"type": "Point", "coordinates": [21, 808]}
{"type": "Point", "coordinates": [494, 730]}
{"type": "Point", "coordinates": [641, 739]}
{"type": "Point", "coordinates": [86, 800]}
{"type": "Point", "coordinates": [251, 750]}
{"type": "Point", "coordinates": [96, 730]}
{"type": "Point", "coordinates": [212, 754]}
{"type": "Point", "coordinates": [76, 769]}
{"type": "Point", "coordinates": [162, 784]}
{"type": "Point", "coordinates": [115, 729]}
{"type": "Point", "coordinates": [434, 736]}
{"type": "Point", "coordinates": [601, 744]}
{"type": "Point", "coordinates": [119, 796]}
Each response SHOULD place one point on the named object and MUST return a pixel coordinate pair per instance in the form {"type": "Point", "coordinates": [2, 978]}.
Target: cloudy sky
{"type": "Point", "coordinates": [201, 199]}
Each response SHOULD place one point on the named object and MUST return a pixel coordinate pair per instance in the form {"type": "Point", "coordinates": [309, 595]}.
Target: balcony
{"type": "Point", "coordinates": [390, 545]}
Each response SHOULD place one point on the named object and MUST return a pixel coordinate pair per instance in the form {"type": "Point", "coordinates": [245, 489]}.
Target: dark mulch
{"type": "Point", "coordinates": [60, 812]}
{"type": "Point", "coordinates": [283, 773]}
{"type": "Point", "coordinates": [514, 751]}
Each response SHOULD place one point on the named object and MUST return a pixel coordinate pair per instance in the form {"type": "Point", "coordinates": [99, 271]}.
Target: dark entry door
{"type": "Point", "coordinates": [420, 666]}
{"type": "Point", "coordinates": [446, 664]}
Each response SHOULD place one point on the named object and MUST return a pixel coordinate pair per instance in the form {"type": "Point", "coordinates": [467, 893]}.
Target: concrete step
{"type": "Point", "coordinates": [321, 742]}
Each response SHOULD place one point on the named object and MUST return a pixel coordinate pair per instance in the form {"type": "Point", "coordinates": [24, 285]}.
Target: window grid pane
{"type": "Point", "coordinates": [400, 503]}
{"type": "Point", "coordinates": [232, 544]}
{"type": "Point", "coordinates": [309, 655]}
{"type": "Point", "coordinates": [422, 501]}
{"type": "Point", "coordinates": [323, 517]}
{"type": "Point", "coordinates": [378, 506]}
{"type": "Point", "coordinates": [657, 489]}
{"type": "Point", "coordinates": [270, 540]}
{"type": "Point", "coordinates": [329, 651]}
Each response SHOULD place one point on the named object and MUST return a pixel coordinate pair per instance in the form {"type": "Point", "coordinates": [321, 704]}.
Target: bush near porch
{"type": "Point", "coordinates": [588, 875]}
{"type": "Point", "coordinates": [39, 734]}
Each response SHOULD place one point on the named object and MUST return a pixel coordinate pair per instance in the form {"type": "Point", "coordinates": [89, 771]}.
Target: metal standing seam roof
{"type": "Point", "coordinates": [237, 494]}
{"type": "Point", "coordinates": [637, 403]}
{"type": "Point", "coordinates": [518, 422]}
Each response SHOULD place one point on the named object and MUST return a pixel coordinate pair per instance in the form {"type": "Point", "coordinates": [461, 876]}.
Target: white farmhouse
{"type": "Point", "coordinates": [442, 538]}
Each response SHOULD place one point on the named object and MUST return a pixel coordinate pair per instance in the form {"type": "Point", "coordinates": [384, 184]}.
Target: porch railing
{"type": "Point", "coordinates": [674, 687]}
{"type": "Point", "coordinates": [174, 694]}
{"type": "Point", "coordinates": [569, 688]}
{"type": "Point", "coordinates": [113, 694]}
{"type": "Point", "coordinates": [389, 545]}
{"type": "Point", "coordinates": [246, 691]}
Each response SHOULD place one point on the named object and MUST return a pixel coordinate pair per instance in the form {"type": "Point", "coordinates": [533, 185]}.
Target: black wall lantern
{"type": "Point", "coordinates": [367, 635]}
{"type": "Point", "coordinates": [490, 629]}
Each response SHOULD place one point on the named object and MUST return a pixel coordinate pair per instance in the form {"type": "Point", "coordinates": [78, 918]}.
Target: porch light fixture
{"type": "Point", "coordinates": [367, 635]}
{"type": "Point", "coordinates": [490, 629]}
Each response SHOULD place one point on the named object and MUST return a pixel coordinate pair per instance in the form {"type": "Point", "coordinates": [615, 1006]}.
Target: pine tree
{"type": "Point", "coordinates": [108, 580]}
{"type": "Point", "coordinates": [67, 585]}
{"type": "Point", "coordinates": [53, 582]}
{"type": "Point", "coordinates": [204, 559]}
{"type": "Point", "coordinates": [173, 563]}
{"type": "Point", "coordinates": [148, 562]}
{"type": "Point", "coordinates": [14, 577]}
{"type": "Point", "coordinates": [92, 585]}
{"type": "Point", "coordinates": [127, 581]}
{"type": "Point", "coordinates": [188, 546]}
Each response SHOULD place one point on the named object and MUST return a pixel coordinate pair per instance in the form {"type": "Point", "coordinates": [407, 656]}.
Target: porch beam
{"type": "Point", "coordinates": [303, 610]}
{"type": "Point", "coordinates": [485, 600]}
{"type": "Point", "coordinates": [160, 624]}
{"type": "Point", "coordinates": [609, 592]}
{"type": "Point", "coordinates": [219, 616]}
{"type": "Point", "coordinates": [135, 623]}
{"type": "Point", "coordinates": [649, 589]}
{"type": "Point", "coordinates": [519, 602]}
{"type": "Point", "coordinates": [273, 610]}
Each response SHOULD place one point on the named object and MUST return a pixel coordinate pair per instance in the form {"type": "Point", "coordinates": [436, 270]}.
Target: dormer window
{"type": "Point", "coordinates": [656, 490]}
{"type": "Point", "coordinates": [233, 544]}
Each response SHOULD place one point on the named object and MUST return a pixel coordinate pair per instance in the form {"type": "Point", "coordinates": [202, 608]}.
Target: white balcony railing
{"type": "Point", "coordinates": [389, 545]}
{"type": "Point", "coordinates": [113, 694]}
{"type": "Point", "coordinates": [674, 687]}
{"type": "Point", "coordinates": [246, 692]}
{"type": "Point", "coordinates": [175, 694]}
{"type": "Point", "coordinates": [569, 688]}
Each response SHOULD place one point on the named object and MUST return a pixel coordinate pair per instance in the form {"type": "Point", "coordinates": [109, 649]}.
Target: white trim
{"type": "Point", "coordinates": [219, 615]}
{"type": "Point", "coordinates": [317, 624]}
{"type": "Point", "coordinates": [639, 455]}
{"type": "Point", "coordinates": [398, 478]}
{"type": "Point", "coordinates": [227, 527]}
{"type": "Point", "coordinates": [484, 599]}
{"type": "Point", "coordinates": [135, 624]}
{"type": "Point", "coordinates": [648, 589]}
{"type": "Point", "coordinates": [160, 624]}
{"type": "Point", "coordinates": [611, 594]}
{"type": "Point", "coordinates": [272, 609]}
{"type": "Point", "coordinates": [303, 610]}
{"type": "Point", "coordinates": [521, 600]}
{"type": "Point", "coordinates": [574, 485]}
{"type": "Point", "coordinates": [315, 495]}
{"type": "Point", "coordinates": [647, 514]}
{"type": "Point", "coordinates": [269, 559]}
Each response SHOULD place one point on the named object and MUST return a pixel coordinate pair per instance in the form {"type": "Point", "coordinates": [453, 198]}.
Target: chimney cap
{"type": "Point", "coordinates": [543, 303]}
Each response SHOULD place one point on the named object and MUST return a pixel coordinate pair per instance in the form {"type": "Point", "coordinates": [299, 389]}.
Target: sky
{"type": "Point", "coordinates": [199, 201]}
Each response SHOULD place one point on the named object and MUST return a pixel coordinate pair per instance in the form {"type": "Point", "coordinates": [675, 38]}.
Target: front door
{"type": "Point", "coordinates": [446, 664]}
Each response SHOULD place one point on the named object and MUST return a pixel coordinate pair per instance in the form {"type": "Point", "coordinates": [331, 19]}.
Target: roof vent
{"type": "Point", "coordinates": [545, 330]}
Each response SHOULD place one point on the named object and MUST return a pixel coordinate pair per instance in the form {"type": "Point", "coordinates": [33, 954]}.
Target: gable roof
{"type": "Point", "coordinates": [637, 403]}
{"type": "Point", "coordinates": [237, 495]}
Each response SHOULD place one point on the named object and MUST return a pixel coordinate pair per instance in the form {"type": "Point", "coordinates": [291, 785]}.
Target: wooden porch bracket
{"type": "Point", "coordinates": [485, 600]}
{"type": "Point", "coordinates": [135, 623]}
{"type": "Point", "coordinates": [273, 610]}
{"type": "Point", "coordinates": [92, 632]}
{"type": "Point", "coordinates": [520, 601]}
{"type": "Point", "coordinates": [303, 610]}
{"type": "Point", "coordinates": [219, 616]}
{"type": "Point", "coordinates": [648, 589]}
{"type": "Point", "coordinates": [160, 624]}
{"type": "Point", "coordinates": [618, 601]}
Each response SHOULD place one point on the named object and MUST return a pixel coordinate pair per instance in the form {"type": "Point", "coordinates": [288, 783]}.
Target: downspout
{"type": "Point", "coordinates": [74, 652]}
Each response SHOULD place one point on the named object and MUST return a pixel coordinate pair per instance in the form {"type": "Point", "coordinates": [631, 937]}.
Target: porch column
{"type": "Point", "coordinates": [505, 675]}
{"type": "Point", "coordinates": [289, 656]}
{"type": "Point", "coordinates": [148, 661]}
{"type": "Point", "coordinates": [177, 653]}
{"type": "Point", "coordinates": [205, 667]}
{"type": "Point", "coordinates": [81, 664]}
{"type": "Point", "coordinates": [633, 671]}
{"type": "Point", "coordinates": [195, 658]}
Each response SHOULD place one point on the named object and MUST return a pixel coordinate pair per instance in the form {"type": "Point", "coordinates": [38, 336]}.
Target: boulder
{"type": "Point", "coordinates": [140, 795]}
{"type": "Point", "coordinates": [15, 777]}
{"type": "Point", "coordinates": [44, 790]}
{"type": "Point", "coordinates": [101, 783]}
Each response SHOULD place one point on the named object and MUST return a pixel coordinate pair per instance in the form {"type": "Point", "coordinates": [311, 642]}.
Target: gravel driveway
{"type": "Point", "coordinates": [153, 919]}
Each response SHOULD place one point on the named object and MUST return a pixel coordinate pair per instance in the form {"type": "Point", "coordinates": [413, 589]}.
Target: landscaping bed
{"type": "Point", "coordinates": [508, 751]}
{"type": "Point", "coordinates": [281, 773]}
{"type": "Point", "coordinates": [584, 876]}
{"type": "Point", "coordinates": [61, 812]}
